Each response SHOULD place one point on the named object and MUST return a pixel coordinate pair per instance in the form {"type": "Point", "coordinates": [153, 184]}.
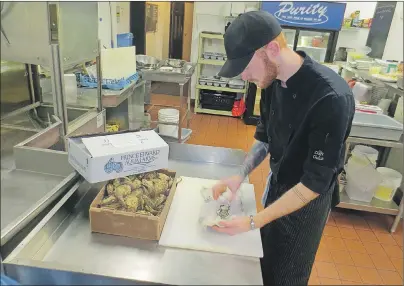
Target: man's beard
{"type": "Point", "coordinates": [271, 73]}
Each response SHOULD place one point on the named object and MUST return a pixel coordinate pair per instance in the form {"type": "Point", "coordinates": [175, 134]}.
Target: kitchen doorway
{"type": "Point", "coordinates": [181, 20]}
{"type": "Point", "coordinates": [176, 29]}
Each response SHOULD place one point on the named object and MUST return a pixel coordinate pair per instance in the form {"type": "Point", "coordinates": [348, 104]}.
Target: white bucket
{"type": "Point", "coordinates": [363, 155]}
{"type": "Point", "coordinates": [362, 182]}
{"type": "Point", "coordinates": [169, 115]}
{"type": "Point", "coordinates": [391, 182]}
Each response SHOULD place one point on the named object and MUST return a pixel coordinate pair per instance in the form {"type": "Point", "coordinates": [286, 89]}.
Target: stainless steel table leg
{"type": "Point", "coordinates": [189, 104]}
{"type": "Point", "coordinates": [1, 266]}
{"type": "Point", "coordinates": [398, 216]}
{"type": "Point", "coordinates": [346, 151]}
{"type": "Point", "coordinates": [180, 119]}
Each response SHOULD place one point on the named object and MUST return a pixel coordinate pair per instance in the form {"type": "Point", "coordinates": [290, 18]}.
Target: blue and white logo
{"type": "Point", "coordinates": [320, 15]}
{"type": "Point", "coordinates": [113, 166]}
{"type": "Point", "coordinates": [311, 14]}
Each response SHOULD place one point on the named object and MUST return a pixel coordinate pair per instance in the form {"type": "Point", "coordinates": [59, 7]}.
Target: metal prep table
{"type": "Point", "coordinates": [376, 206]}
{"type": "Point", "coordinates": [126, 104]}
{"type": "Point", "coordinates": [62, 249]}
{"type": "Point", "coordinates": [393, 88]}
{"type": "Point", "coordinates": [172, 77]}
{"type": "Point", "coordinates": [24, 195]}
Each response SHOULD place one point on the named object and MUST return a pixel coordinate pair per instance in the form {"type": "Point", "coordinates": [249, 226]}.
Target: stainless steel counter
{"type": "Point", "coordinates": [87, 97]}
{"type": "Point", "coordinates": [365, 74]}
{"type": "Point", "coordinates": [24, 194]}
{"type": "Point", "coordinates": [62, 249]}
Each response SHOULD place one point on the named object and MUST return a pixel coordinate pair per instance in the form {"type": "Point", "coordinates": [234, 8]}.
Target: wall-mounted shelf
{"type": "Point", "coordinates": [211, 36]}
{"type": "Point", "coordinates": [210, 62]}
{"type": "Point", "coordinates": [218, 88]}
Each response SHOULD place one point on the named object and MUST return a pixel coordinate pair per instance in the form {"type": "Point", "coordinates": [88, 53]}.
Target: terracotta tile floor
{"type": "Point", "coordinates": [356, 247]}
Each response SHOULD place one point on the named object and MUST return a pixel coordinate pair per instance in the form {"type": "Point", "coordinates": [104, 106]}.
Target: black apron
{"type": "Point", "coordinates": [290, 243]}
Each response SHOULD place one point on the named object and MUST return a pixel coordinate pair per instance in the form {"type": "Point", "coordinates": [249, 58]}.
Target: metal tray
{"type": "Point", "coordinates": [169, 76]}
{"type": "Point", "coordinates": [185, 135]}
{"type": "Point", "coordinates": [376, 126]}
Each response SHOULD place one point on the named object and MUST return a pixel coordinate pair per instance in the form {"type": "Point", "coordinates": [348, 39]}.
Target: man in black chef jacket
{"type": "Point", "coordinates": [306, 116]}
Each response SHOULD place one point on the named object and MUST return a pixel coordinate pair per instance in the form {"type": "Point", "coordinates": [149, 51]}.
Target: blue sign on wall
{"type": "Point", "coordinates": [314, 15]}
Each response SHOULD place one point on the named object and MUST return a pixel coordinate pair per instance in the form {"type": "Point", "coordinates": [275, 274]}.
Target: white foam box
{"type": "Point", "coordinates": [104, 157]}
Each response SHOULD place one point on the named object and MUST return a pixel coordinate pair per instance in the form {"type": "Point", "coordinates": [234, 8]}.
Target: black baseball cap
{"type": "Point", "coordinates": [245, 35]}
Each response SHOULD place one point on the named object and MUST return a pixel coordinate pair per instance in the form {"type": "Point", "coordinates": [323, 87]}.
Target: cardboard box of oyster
{"type": "Point", "coordinates": [134, 206]}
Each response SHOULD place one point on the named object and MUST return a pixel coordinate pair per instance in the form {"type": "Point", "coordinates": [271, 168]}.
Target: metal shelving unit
{"type": "Point", "coordinates": [201, 62]}
{"type": "Point", "coordinates": [375, 206]}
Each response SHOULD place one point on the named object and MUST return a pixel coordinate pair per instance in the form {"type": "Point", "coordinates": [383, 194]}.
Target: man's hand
{"type": "Point", "coordinates": [234, 226]}
{"type": "Point", "coordinates": [233, 183]}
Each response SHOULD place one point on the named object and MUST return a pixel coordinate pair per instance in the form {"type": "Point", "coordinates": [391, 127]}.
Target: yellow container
{"type": "Point", "coordinates": [391, 182]}
{"type": "Point", "coordinates": [385, 193]}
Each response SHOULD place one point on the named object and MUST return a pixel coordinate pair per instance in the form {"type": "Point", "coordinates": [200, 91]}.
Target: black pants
{"type": "Point", "coordinates": [290, 243]}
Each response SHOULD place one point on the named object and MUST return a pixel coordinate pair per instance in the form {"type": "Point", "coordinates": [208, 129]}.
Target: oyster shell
{"type": "Point", "coordinates": [162, 176]}
{"type": "Point", "coordinates": [141, 203]}
{"type": "Point", "coordinates": [121, 192]}
{"type": "Point", "coordinates": [121, 181]}
{"type": "Point", "coordinates": [151, 210]}
{"type": "Point", "coordinates": [170, 183]}
{"type": "Point", "coordinates": [150, 176]}
{"type": "Point", "coordinates": [113, 206]}
{"type": "Point", "coordinates": [159, 201]}
{"type": "Point", "coordinates": [160, 186]}
{"type": "Point", "coordinates": [135, 184]}
{"type": "Point", "coordinates": [110, 189]}
{"type": "Point", "coordinates": [132, 202]}
{"type": "Point", "coordinates": [108, 200]}
{"type": "Point", "coordinates": [132, 177]}
{"type": "Point", "coordinates": [139, 192]}
{"type": "Point", "coordinates": [148, 202]}
{"type": "Point", "coordinates": [151, 192]}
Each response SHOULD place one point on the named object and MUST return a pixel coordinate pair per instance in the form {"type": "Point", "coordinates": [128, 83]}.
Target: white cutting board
{"type": "Point", "coordinates": [183, 230]}
{"type": "Point", "coordinates": [118, 63]}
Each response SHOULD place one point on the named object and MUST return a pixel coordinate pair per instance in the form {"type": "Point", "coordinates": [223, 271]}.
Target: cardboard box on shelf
{"type": "Point", "coordinates": [102, 157]}
{"type": "Point", "coordinates": [130, 224]}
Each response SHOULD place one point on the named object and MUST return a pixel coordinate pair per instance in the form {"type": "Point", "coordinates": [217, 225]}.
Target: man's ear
{"type": "Point", "coordinates": [273, 49]}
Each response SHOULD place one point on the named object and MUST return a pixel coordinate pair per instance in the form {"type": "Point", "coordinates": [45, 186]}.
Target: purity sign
{"type": "Point", "coordinates": [317, 15]}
